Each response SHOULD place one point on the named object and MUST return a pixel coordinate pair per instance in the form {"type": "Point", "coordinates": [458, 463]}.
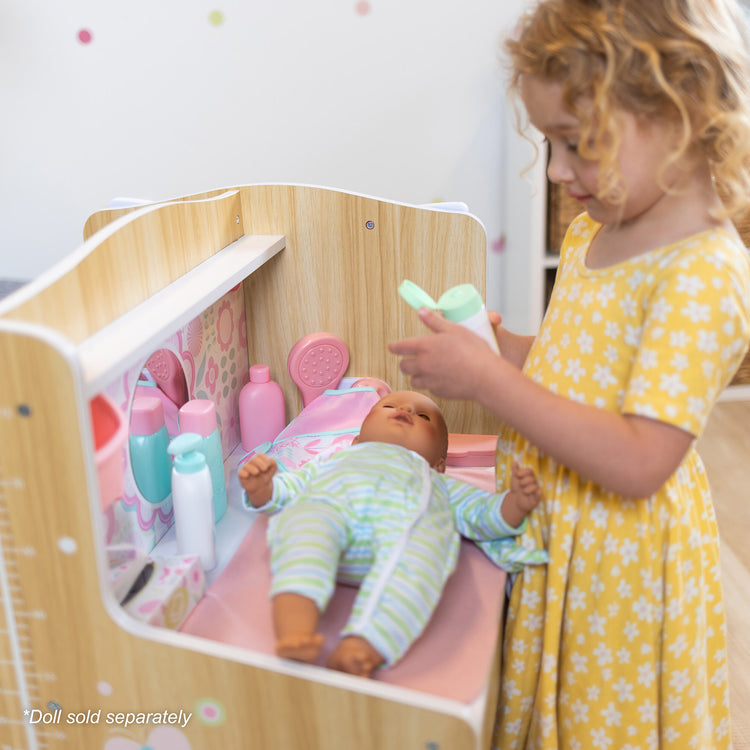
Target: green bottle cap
{"type": "Point", "coordinates": [460, 302]}
{"type": "Point", "coordinates": [457, 304]}
{"type": "Point", "coordinates": [416, 296]}
{"type": "Point", "coordinates": [187, 458]}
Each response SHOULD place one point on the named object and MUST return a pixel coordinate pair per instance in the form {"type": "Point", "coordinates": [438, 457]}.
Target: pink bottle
{"type": "Point", "coordinates": [262, 414]}
{"type": "Point", "coordinates": [199, 416]}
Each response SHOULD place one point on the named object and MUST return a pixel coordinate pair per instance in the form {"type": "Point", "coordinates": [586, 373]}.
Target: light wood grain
{"type": "Point", "coordinates": [337, 275]}
{"type": "Point", "coordinates": [138, 332]}
{"type": "Point", "coordinates": [117, 270]}
{"type": "Point", "coordinates": [74, 646]}
{"type": "Point", "coordinates": [334, 274]}
{"type": "Point", "coordinates": [725, 449]}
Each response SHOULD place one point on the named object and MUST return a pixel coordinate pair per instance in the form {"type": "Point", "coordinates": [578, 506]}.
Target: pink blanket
{"type": "Point", "coordinates": [452, 659]}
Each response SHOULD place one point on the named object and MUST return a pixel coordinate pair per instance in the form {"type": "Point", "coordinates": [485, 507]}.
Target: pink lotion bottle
{"type": "Point", "coordinates": [199, 416]}
{"type": "Point", "coordinates": [262, 413]}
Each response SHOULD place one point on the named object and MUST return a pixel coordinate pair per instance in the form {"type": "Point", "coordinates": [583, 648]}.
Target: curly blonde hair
{"type": "Point", "coordinates": [685, 61]}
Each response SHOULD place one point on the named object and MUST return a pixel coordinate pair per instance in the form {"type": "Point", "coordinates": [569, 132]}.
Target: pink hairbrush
{"type": "Point", "coordinates": [316, 363]}
{"type": "Point", "coordinates": [168, 374]}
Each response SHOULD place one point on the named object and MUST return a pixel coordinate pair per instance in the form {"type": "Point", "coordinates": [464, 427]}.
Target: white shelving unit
{"type": "Point", "coordinates": [526, 261]}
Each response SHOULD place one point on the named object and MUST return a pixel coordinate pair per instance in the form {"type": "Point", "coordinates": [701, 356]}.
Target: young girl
{"type": "Point", "coordinates": [619, 642]}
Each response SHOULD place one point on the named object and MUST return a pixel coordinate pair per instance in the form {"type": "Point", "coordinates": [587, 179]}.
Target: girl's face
{"type": "Point", "coordinates": [640, 155]}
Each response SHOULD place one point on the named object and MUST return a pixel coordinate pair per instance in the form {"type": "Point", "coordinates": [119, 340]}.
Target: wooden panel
{"type": "Point", "coordinates": [75, 655]}
{"type": "Point", "coordinates": [129, 262]}
{"type": "Point", "coordinates": [340, 276]}
{"type": "Point", "coordinates": [99, 219]}
{"type": "Point", "coordinates": [337, 275]}
{"type": "Point", "coordinates": [77, 650]}
{"type": "Point", "coordinates": [138, 332]}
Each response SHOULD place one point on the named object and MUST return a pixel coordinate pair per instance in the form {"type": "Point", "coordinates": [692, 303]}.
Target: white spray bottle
{"type": "Point", "coordinates": [461, 304]}
{"type": "Point", "coordinates": [192, 499]}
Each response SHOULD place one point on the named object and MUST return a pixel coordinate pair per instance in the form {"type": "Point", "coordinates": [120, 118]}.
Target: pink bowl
{"type": "Point", "coordinates": [110, 434]}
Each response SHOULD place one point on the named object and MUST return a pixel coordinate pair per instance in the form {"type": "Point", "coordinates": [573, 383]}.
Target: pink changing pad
{"type": "Point", "coordinates": [452, 658]}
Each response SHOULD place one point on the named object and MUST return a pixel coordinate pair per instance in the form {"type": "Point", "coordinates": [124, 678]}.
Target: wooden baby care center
{"type": "Point", "coordinates": [222, 280]}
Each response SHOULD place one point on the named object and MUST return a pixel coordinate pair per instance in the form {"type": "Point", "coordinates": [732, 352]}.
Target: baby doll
{"type": "Point", "coordinates": [381, 514]}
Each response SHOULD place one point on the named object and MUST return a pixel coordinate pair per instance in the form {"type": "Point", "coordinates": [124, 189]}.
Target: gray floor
{"type": "Point", "coordinates": [9, 285]}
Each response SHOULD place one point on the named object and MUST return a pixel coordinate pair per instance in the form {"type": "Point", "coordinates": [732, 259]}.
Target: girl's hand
{"type": "Point", "coordinates": [447, 362]}
{"type": "Point", "coordinates": [495, 320]}
{"type": "Point", "coordinates": [256, 478]}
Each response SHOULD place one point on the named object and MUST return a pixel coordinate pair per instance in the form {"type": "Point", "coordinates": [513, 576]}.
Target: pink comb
{"type": "Point", "coordinates": [316, 363]}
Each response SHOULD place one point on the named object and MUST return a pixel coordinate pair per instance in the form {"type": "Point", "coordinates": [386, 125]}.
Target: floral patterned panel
{"type": "Point", "coordinates": [212, 349]}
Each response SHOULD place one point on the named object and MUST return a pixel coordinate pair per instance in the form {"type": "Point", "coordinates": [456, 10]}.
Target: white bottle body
{"type": "Point", "coordinates": [480, 324]}
{"type": "Point", "coordinates": [192, 500]}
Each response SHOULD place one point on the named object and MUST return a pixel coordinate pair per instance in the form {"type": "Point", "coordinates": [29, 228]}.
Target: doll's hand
{"type": "Point", "coordinates": [256, 478]}
{"type": "Point", "coordinates": [448, 362]}
{"type": "Point", "coordinates": [524, 495]}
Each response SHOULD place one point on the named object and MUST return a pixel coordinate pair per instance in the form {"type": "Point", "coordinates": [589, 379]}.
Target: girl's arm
{"type": "Point", "coordinates": [514, 348]}
{"type": "Point", "coordinates": [630, 455]}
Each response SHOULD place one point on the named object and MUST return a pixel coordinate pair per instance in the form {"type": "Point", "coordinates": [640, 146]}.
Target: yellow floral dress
{"type": "Point", "coordinates": [619, 642]}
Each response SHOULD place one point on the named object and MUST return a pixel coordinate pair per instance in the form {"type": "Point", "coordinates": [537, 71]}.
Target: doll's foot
{"type": "Point", "coordinates": [356, 656]}
{"type": "Point", "coordinates": [300, 647]}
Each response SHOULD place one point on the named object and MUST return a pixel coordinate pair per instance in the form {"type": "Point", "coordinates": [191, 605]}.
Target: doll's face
{"type": "Point", "coordinates": [411, 420]}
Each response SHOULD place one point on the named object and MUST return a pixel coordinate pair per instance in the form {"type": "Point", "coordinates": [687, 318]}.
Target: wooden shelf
{"type": "Point", "coordinates": [136, 334]}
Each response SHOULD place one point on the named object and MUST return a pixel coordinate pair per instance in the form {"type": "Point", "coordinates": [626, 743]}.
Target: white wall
{"type": "Point", "coordinates": [403, 101]}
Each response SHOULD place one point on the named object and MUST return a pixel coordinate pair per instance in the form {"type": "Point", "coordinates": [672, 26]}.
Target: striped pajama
{"type": "Point", "coordinates": [375, 514]}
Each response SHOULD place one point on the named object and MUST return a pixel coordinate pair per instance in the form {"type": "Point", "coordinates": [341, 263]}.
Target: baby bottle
{"type": "Point", "coordinates": [199, 415]}
{"type": "Point", "coordinates": [149, 459]}
{"type": "Point", "coordinates": [192, 499]}
{"type": "Point", "coordinates": [462, 304]}
{"type": "Point", "coordinates": [262, 413]}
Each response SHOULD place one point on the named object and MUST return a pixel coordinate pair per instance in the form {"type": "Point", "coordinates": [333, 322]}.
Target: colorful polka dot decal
{"type": "Point", "coordinates": [67, 545]}
{"type": "Point", "coordinates": [104, 688]}
{"type": "Point", "coordinates": [210, 712]}
{"type": "Point", "coordinates": [498, 244]}
{"type": "Point", "coordinates": [216, 18]}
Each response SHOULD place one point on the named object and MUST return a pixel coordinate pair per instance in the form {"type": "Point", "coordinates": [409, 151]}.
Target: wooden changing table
{"type": "Point", "coordinates": [308, 259]}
